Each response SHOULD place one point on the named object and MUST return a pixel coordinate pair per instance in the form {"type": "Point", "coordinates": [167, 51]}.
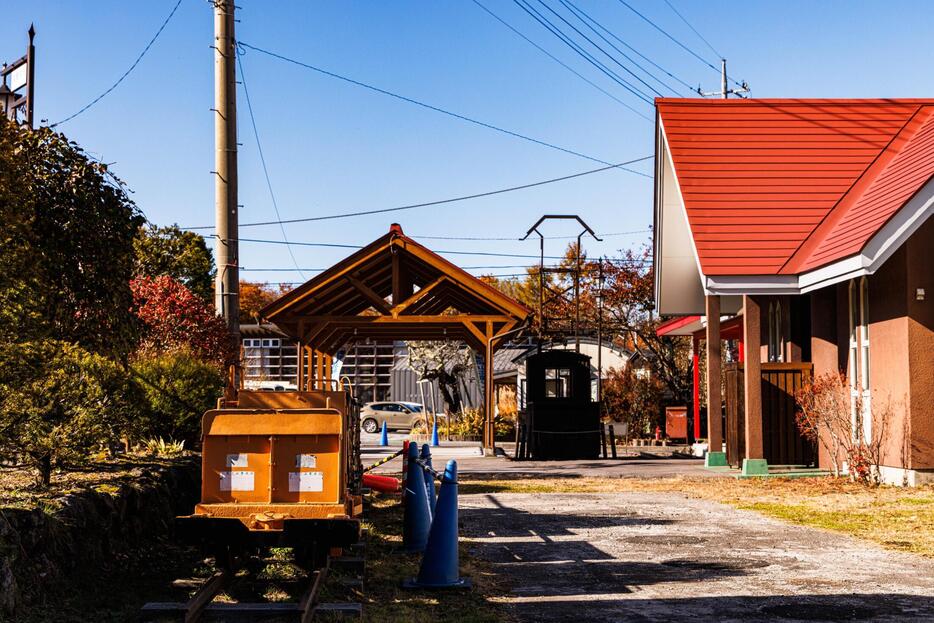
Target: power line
{"type": "Point", "coordinates": [596, 45]}
{"type": "Point", "coordinates": [569, 7]}
{"type": "Point", "coordinates": [619, 261]}
{"type": "Point", "coordinates": [681, 45]}
{"type": "Point", "coordinates": [127, 72]}
{"type": "Point", "coordinates": [694, 30]}
{"type": "Point", "coordinates": [550, 27]}
{"type": "Point", "coordinates": [422, 104]}
{"type": "Point", "coordinates": [560, 62]}
{"type": "Point", "coordinates": [262, 159]}
{"type": "Point", "coordinates": [444, 201]}
{"type": "Point", "coordinates": [618, 233]}
{"type": "Point", "coordinates": [581, 13]}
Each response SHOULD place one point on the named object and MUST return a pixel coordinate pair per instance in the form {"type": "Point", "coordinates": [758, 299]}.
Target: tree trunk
{"type": "Point", "coordinates": [44, 477]}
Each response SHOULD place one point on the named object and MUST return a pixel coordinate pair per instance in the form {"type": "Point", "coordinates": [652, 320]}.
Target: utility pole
{"type": "Point", "coordinates": [725, 92]}
{"type": "Point", "coordinates": [227, 281]}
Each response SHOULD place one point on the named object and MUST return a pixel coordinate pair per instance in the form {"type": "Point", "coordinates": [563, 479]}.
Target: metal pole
{"type": "Point", "coordinates": [227, 283]}
{"type": "Point", "coordinates": [600, 336]}
{"type": "Point", "coordinates": [31, 79]}
{"type": "Point", "coordinates": [723, 89]}
{"type": "Point", "coordinates": [577, 295]}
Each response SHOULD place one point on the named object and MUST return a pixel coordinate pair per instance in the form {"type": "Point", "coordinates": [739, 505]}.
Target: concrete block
{"type": "Point", "coordinates": [755, 467]}
{"type": "Point", "coordinates": [716, 459]}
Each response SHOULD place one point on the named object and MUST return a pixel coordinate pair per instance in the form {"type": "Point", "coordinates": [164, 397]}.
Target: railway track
{"type": "Point", "coordinates": [202, 605]}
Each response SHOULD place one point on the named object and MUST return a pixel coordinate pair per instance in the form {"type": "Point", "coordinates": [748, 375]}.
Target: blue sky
{"type": "Point", "coordinates": [333, 147]}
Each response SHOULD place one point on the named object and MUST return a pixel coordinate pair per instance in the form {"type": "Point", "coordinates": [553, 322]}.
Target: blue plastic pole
{"type": "Point", "coordinates": [429, 478]}
{"type": "Point", "coordinates": [383, 436]}
{"type": "Point", "coordinates": [439, 568]}
{"type": "Point", "coordinates": [416, 519]}
{"type": "Point", "coordinates": [435, 442]}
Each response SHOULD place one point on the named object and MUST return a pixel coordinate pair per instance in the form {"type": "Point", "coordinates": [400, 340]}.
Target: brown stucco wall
{"type": "Point", "coordinates": [920, 326]}
{"type": "Point", "coordinates": [888, 360]}
{"type": "Point", "coordinates": [824, 350]}
{"type": "Point", "coordinates": [901, 337]}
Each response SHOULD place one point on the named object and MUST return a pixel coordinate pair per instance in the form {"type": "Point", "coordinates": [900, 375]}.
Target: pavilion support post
{"type": "Point", "coordinates": [754, 464]}
{"type": "Point", "coordinates": [300, 377]}
{"type": "Point", "coordinates": [716, 457]}
{"type": "Point", "coordinates": [489, 407]}
{"type": "Point", "coordinates": [695, 385]}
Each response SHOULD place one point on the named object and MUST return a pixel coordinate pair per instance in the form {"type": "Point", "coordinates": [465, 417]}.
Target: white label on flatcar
{"type": "Point", "coordinates": [237, 481]}
{"type": "Point", "coordinates": [237, 460]}
{"type": "Point", "coordinates": [306, 481]}
{"type": "Point", "coordinates": [308, 461]}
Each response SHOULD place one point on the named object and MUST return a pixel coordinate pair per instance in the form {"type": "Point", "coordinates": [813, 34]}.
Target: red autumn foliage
{"type": "Point", "coordinates": [174, 318]}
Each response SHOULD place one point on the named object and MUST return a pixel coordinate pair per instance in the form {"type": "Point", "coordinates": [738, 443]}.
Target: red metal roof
{"type": "Point", "coordinates": [784, 186]}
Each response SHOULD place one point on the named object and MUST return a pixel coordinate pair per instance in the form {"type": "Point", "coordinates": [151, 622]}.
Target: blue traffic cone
{"type": "Point", "coordinates": [416, 519]}
{"type": "Point", "coordinates": [383, 436]}
{"type": "Point", "coordinates": [439, 567]}
{"type": "Point", "coordinates": [434, 435]}
{"type": "Point", "coordinates": [429, 478]}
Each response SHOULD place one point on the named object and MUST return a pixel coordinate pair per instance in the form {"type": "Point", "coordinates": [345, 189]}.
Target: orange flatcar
{"type": "Point", "coordinates": [278, 469]}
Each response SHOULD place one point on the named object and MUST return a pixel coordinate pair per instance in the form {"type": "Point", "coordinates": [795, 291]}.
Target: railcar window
{"type": "Point", "coordinates": [557, 382]}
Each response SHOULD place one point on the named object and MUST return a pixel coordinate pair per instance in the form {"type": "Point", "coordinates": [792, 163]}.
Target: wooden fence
{"type": "Point", "coordinates": [782, 442]}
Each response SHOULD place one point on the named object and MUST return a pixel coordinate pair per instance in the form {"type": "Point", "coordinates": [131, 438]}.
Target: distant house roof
{"type": "Point", "coordinates": [266, 329]}
{"type": "Point", "coordinates": [787, 186]}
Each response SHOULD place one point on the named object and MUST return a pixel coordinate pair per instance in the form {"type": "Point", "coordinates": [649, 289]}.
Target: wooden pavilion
{"type": "Point", "coordinates": [395, 288]}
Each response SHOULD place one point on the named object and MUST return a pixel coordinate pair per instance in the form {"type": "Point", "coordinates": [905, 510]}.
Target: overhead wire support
{"type": "Point", "coordinates": [445, 201]}
{"type": "Point", "coordinates": [560, 62]}
{"type": "Point", "coordinates": [581, 13]}
{"type": "Point", "coordinates": [599, 47]}
{"type": "Point", "coordinates": [262, 159]}
{"type": "Point", "coordinates": [422, 104]}
{"type": "Point", "coordinates": [590, 58]}
{"type": "Point", "coordinates": [126, 73]}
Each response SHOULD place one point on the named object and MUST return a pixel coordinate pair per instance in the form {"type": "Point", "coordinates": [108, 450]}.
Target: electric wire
{"type": "Point", "coordinates": [442, 201]}
{"type": "Point", "coordinates": [550, 27]}
{"type": "Point", "coordinates": [560, 62]}
{"type": "Point", "coordinates": [262, 160]}
{"type": "Point", "coordinates": [421, 104]}
{"type": "Point", "coordinates": [583, 14]}
{"type": "Point", "coordinates": [126, 73]}
{"type": "Point", "coordinates": [681, 45]}
{"type": "Point", "coordinates": [596, 45]}
{"type": "Point", "coordinates": [694, 30]}
{"type": "Point", "coordinates": [590, 27]}
{"type": "Point", "coordinates": [617, 233]}
{"type": "Point", "coordinates": [332, 245]}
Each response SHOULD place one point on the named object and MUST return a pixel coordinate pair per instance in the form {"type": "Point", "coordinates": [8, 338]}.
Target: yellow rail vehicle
{"type": "Point", "coordinates": [278, 469]}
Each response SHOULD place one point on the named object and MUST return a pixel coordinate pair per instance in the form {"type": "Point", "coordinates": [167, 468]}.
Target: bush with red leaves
{"type": "Point", "coordinates": [174, 318]}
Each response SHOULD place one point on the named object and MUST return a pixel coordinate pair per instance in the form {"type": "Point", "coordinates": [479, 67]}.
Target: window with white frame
{"type": "Point", "coordinates": [858, 359]}
{"type": "Point", "coordinates": [776, 332]}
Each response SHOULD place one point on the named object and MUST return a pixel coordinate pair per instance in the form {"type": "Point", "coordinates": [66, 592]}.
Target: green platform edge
{"type": "Point", "coordinates": [755, 467]}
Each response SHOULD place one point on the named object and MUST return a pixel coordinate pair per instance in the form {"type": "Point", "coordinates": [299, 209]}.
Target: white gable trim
{"type": "Point", "coordinates": [679, 283]}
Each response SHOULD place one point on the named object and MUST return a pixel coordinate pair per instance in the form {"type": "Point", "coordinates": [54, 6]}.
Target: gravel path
{"type": "Point", "coordinates": [663, 557]}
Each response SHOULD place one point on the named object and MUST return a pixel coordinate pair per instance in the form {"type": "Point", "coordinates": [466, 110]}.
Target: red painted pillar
{"type": "Point", "coordinates": [695, 351]}
{"type": "Point", "coordinates": [742, 354]}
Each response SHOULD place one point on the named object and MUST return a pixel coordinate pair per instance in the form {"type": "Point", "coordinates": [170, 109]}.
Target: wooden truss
{"type": "Point", "coordinates": [394, 289]}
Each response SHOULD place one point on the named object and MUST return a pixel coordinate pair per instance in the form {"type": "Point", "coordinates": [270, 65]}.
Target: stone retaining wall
{"type": "Point", "coordinates": [41, 548]}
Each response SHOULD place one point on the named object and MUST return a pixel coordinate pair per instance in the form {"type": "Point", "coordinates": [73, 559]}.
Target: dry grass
{"type": "Point", "coordinates": [384, 600]}
{"type": "Point", "coordinates": [896, 518]}
{"type": "Point", "coordinates": [18, 485]}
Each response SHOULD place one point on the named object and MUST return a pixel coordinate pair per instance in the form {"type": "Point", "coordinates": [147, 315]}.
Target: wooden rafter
{"type": "Point", "coordinates": [375, 299]}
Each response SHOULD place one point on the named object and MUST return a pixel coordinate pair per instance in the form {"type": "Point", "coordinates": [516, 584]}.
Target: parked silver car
{"type": "Point", "coordinates": [397, 415]}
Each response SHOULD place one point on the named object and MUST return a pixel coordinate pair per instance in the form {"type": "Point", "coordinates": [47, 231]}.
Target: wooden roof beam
{"type": "Point", "coordinates": [414, 298]}
{"type": "Point", "coordinates": [375, 299]}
